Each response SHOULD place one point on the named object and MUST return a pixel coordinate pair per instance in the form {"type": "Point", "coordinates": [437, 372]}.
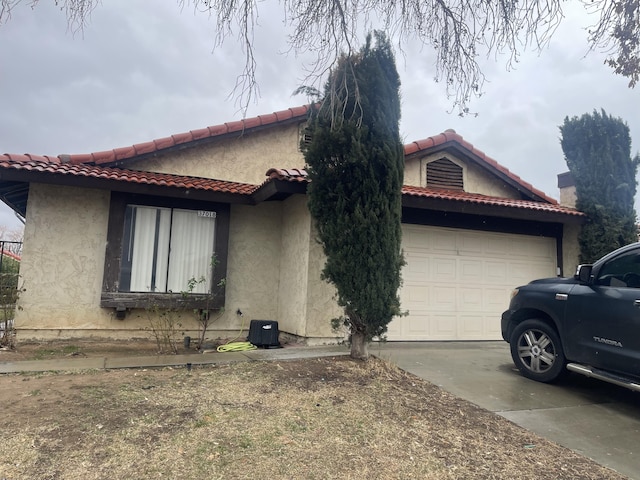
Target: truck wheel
{"type": "Point", "coordinates": [536, 350]}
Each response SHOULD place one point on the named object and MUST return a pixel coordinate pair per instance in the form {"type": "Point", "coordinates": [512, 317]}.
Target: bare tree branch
{"type": "Point", "coordinates": [458, 31]}
{"type": "Point", "coordinates": [617, 32]}
{"type": "Point", "coordinates": [78, 12]}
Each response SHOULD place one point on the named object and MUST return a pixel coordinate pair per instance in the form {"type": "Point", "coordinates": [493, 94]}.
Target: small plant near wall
{"type": "Point", "coordinates": [165, 321]}
{"type": "Point", "coordinates": [206, 316]}
{"type": "Point", "coordinates": [165, 325]}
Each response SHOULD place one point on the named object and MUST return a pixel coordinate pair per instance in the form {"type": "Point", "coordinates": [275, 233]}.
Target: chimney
{"type": "Point", "coordinates": [567, 187]}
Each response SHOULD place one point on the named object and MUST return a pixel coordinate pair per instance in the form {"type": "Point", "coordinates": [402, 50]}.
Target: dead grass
{"type": "Point", "coordinates": [302, 419]}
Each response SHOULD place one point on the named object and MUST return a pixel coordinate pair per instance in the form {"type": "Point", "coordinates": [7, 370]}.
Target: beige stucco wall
{"type": "Point", "coordinates": [62, 270]}
{"type": "Point", "coordinates": [244, 158]}
{"type": "Point", "coordinates": [63, 260]}
{"type": "Point", "coordinates": [321, 304]}
{"type": "Point", "coordinates": [476, 180]}
{"type": "Point", "coordinates": [570, 248]}
{"type": "Point", "coordinates": [253, 265]}
{"type": "Point", "coordinates": [568, 196]}
{"type": "Point", "coordinates": [294, 259]}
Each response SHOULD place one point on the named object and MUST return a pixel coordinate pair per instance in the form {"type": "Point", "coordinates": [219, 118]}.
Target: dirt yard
{"type": "Point", "coordinates": [301, 419]}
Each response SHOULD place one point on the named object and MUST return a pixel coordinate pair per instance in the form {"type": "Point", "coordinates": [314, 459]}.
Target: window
{"type": "Point", "coordinates": [164, 248]}
{"type": "Point", "coordinates": [444, 173]}
{"type": "Point", "coordinates": [622, 271]}
{"type": "Point", "coordinates": [155, 245]}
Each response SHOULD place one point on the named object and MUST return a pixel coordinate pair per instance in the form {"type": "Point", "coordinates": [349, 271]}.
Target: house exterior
{"type": "Point", "coordinates": [113, 239]}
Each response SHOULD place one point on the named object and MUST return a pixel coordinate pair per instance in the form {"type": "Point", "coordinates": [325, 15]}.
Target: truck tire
{"type": "Point", "coordinates": [537, 351]}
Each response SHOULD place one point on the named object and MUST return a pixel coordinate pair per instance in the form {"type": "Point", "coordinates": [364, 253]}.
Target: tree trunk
{"type": "Point", "coordinates": [359, 346]}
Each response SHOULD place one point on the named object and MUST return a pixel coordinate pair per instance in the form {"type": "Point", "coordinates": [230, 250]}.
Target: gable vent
{"type": "Point", "coordinates": [444, 173]}
{"type": "Point", "coordinates": [305, 138]}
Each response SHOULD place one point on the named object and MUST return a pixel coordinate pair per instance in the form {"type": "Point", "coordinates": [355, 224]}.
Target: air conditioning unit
{"type": "Point", "coordinates": [264, 333]}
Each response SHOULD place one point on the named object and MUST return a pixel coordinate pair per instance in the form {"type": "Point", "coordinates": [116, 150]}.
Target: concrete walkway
{"type": "Point", "coordinates": [104, 363]}
{"type": "Point", "coordinates": [593, 418]}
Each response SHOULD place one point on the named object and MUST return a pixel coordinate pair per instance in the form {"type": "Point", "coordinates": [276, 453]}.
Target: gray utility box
{"type": "Point", "coordinates": [264, 333]}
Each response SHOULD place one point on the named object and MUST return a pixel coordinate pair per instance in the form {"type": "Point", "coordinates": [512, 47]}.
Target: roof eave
{"type": "Point", "coordinates": [276, 189]}
{"type": "Point", "coordinates": [502, 211]}
{"type": "Point", "coordinates": [31, 176]}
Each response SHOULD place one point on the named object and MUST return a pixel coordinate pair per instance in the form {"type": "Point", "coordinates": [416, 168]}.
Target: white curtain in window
{"type": "Point", "coordinates": [192, 247]}
{"type": "Point", "coordinates": [144, 265]}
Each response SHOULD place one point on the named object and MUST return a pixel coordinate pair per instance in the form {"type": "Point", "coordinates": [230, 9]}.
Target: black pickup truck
{"type": "Point", "coordinates": [589, 324]}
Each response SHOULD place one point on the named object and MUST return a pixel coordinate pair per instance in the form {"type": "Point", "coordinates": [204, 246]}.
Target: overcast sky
{"type": "Point", "coordinates": [144, 70]}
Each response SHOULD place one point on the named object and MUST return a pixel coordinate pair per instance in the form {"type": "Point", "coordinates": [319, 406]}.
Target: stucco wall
{"type": "Point", "coordinates": [62, 270]}
{"type": "Point", "coordinates": [476, 180]}
{"type": "Point", "coordinates": [568, 196]}
{"type": "Point", "coordinates": [321, 304]}
{"type": "Point", "coordinates": [245, 158]}
{"type": "Point", "coordinates": [63, 260]}
{"type": "Point", "coordinates": [253, 266]}
{"type": "Point", "coordinates": [570, 248]}
{"type": "Point", "coordinates": [294, 259]}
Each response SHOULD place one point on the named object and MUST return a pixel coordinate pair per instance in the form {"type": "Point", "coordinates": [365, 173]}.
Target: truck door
{"type": "Point", "coordinates": [604, 317]}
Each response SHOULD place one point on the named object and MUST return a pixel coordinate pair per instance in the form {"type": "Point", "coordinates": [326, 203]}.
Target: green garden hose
{"type": "Point", "coordinates": [236, 347]}
{"type": "Point", "coordinates": [233, 346]}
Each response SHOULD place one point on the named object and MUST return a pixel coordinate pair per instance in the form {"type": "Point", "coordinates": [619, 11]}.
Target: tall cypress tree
{"type": "Point", "coordinates": [356, 168]}
{"type": "Point", "coordinates": [597, 149]}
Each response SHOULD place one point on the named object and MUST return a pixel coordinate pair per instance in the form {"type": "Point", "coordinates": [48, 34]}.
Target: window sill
{"type": "Point", "coordinates": [161, 300]}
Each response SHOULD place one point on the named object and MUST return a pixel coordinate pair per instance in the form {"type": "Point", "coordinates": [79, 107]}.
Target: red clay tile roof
{"type": "Point", "coordinates": [111, 157]}
{"type": "Point", "coordinates": [240, 126]}
{"type": "Point", "coordinates": [451, 136]}
{"type": "Point", "coordinates": [289, 175]}
{"type": "Point", "coordinates": [477, 198]}
{"type": "Point", "coordinates": [46, 165]}
{"type": "Point", "coordinates": [455, 195]}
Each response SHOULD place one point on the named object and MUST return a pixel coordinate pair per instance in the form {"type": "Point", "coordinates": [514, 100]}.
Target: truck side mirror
{"type": "Point", "coordinates": [583, 273]}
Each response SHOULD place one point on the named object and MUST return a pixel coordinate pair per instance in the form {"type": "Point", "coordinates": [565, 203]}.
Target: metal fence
{"type": "Point", "coordinates": [10, 256]}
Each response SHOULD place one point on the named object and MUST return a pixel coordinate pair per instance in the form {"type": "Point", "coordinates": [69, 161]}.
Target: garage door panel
{"type": "Point", "coordinates": [443, 326]}
{"type": "Point", "coordinates": [531, 247]}
{"type": "Point", "coordinates": [470, 271]}
{"type": "Point", "coordinates": [468, 244]}
{"type": "Point", "coordinates": [437, 326]}
{"type": "Point", "coordinates": [497, 247]}
{"type": "Point", "coordinates": [472, 326]}
{"type": "Point", "coordinates": [496, 272]}
{"type": "Point", "coordinates": [470, 298]}
{"type": "Point", "coordinates": [443, 270]}
{"type": "Point", "coordinates": [414, 297]}
{"type": "Point", "coordinates": [416, 268]}
{"type": "Point", "coordinates": [441, 242]}
{"type": "Point", "coordinates": [443, 298]}
{"type": "Point", "coordinates": [521, 273]}
{"type": "Point", "coordinates": [414, 326]}
{"type": "Point", "coordinates": [457, 282]}
{"type": "Point", "coordinates": [412, 236]}
{"type": "Point", "coordinates": [496, 298]}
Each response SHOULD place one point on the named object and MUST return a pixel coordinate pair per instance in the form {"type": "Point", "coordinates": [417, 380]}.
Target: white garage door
{"type": "Point", "coordinates": [457, 283]}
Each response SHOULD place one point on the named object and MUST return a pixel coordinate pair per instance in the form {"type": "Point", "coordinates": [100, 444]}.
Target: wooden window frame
{"type": "Point", "coordinates": [112, 297]}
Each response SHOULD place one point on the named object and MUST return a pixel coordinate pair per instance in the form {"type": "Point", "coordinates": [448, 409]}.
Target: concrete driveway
{"type": "Point", "coordinates": [595, 419]}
